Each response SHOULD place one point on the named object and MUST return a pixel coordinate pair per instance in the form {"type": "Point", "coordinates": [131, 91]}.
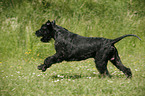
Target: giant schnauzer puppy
{"type": "Point", "coordinates": [73, 47]}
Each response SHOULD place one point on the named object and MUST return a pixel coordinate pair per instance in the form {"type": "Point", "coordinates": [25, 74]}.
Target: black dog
{"type": "Point", "coordinates": [73, 47]}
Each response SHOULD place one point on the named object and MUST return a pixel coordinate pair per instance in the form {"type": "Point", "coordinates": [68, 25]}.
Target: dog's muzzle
{"type": "Point", "coordinates": [38, 34]}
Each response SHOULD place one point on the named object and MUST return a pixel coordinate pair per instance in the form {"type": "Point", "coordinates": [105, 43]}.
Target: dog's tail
{"type": "Point", "coordinates": [120, 38]}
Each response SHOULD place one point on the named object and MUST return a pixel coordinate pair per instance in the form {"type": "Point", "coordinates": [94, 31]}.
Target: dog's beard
{"type": "Point", "coordinates": [45, 39]}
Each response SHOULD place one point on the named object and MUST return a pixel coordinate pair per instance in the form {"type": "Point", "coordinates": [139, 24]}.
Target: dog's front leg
{"type": "Point", "coordinates": [49, 61]}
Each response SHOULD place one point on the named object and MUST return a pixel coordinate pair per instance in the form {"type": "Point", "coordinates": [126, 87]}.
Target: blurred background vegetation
{"type": "Point", "coordinates": [99, 18]}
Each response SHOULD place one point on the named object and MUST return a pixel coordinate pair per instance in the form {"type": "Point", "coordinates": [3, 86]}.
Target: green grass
{"type": "Point", "coordinates": [21, 51]}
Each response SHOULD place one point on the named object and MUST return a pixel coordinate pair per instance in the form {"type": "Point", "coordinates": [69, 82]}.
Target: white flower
{"type": "Point", "coordinates": [110, 81]}
{"type": "Point", "coordinates": [56, 80]}
{"type": "Point", "coordinates": [18, 72]}
{"type": "Point", "coordinates": [73, 80]}
{"type": "Point", "coordinates": [62, 76]}
{"type": "Point", "coordinates": [89, 77]}
{"type": "Point", "coordinates": [94, 73]}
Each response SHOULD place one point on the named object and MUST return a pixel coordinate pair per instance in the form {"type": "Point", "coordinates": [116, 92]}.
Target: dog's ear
{"type": "Point", "coordinates": [48, 21]}
{"type": "Point", "coordinates": [53, 22]}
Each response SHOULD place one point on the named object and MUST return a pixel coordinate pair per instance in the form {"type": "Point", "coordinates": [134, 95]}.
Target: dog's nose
{"type": "Point", "coordinates": [37, 33]}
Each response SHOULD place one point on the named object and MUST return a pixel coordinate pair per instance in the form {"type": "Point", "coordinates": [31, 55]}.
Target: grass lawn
{"type": "Point", "coordinates": [21, 51]}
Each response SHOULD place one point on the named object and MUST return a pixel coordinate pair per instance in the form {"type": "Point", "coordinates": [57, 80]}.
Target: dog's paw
{"type": "Point", "coordinates": [42, 67]}
{"type": "Point", "coordinates": [128, 73]}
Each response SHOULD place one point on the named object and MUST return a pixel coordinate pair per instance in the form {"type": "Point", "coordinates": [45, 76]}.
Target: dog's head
{"type": "Point", "coordinates": [46, 31]}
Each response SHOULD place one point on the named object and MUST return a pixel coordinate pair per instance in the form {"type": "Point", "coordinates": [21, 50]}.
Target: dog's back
{"type": "Point", "coordinates": [76, 47]}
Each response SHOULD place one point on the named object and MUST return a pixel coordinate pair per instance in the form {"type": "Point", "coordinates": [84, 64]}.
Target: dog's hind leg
{"type": "Point", "coordinates": [49, 61]}
{"type": "Point", "coordinates": [101, 65]}
{"type": "Point", "coordinates": [101, 60]}
{"type": "Point", "coordinates": [117, 62]}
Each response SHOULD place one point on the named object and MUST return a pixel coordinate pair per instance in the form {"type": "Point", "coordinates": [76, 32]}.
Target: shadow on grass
{"type": "Point", "coordinates": [74, 76]}
{"type": "Point", "coordinates": [78, 76]}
